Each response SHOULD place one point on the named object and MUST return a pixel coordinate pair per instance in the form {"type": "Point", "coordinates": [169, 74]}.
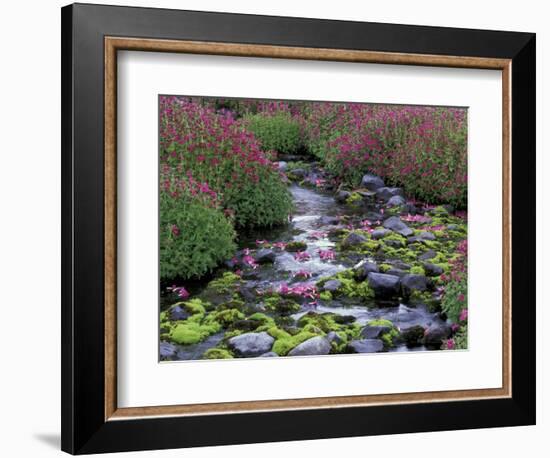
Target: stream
{"type": "Point", "coordinates": [316, 215]}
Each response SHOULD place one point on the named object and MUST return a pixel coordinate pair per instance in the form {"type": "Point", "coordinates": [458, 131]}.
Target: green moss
{"type": "Point", "coordinates": [403, 254]}
{"type": "Point", "coordinates": [163, 316]}
{"type": "Point", "coordinates": [354, 198]}
{"type": "Point", "coordinates": [349, 286]}
{"type": "Point", "coordinates": [225, 284]}
{"type": "Point", "coordinates": [194, 306]}
{"type": "Point", "coordinates": [384, 267]}
{"type": "Point", "coordinates": [296, 246]}
{"type": "Point", "coordinates": [325, 296]}
{"type": "Point", "coordinates": [417, 270]}
{"type": "Point", "coordinates": [281, 305]}
{"type": "Point", "coordinates": [217, 353]}
{"type": "Point", "coordinates": [224, 318]}
{"type": "Point", "coordinates": [264, 322]}
{"type": "Point", "coordinates": [389, 337]}
{"type": "Point", "coordinates": [285, 342]}
{"type": "Point", "coordinates": [433, 244]}
{"type": "Point", "coordinates": [397, 237]}
{"type": "Point", "coordinates": [192, 330]}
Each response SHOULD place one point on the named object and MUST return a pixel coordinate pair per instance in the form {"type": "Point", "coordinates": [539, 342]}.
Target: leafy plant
{"type": "Point", "coordinates": [278, 132]}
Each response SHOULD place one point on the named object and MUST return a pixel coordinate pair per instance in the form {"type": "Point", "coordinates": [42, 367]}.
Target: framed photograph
{"type": "Point", "coordinates": [281, 229]}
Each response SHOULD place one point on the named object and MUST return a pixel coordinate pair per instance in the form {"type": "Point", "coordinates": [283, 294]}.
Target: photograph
{"type": "Point", "coordinates": [306, 228]}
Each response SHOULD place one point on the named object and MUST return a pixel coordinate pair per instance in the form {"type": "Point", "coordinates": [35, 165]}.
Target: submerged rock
{"type": "Point", "coordinates": [395, 224]}
{"type": "Point", "coordinates": [384, 286]}
{"type": "Point", "coordinates": [251, 344]}
{"type": "Point", "coordinates": [315, 346]}
{"type": "Point", "coordinates": [365, 346]}
{"type": "Point", "coordinates": [265, 256]}
{"type": "Point", "coordinates": [372, 182]}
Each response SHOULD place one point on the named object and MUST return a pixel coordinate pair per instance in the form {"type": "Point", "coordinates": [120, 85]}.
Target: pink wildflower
{"type": "Point", "coordinates": [302, 256]}
{"type": "Point", "coordinates": [326, 255]}
{"type": "Point", "coordinates": [450, 344]}
{"type": "Point", "coordinates": [463, 315]}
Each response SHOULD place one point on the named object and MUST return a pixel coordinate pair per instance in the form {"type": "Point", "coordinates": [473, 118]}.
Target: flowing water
{"type": "Point", "coordinates": [314, 217]}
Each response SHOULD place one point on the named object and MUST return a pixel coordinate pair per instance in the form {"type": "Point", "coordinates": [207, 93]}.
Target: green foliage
{"type": "Point", "coordinates": [389, 337]}
{"type": "Point", "coordinates": [349, 286]}
{"type": "Point", "coordinates": [354, 199]}
{"type": "Point", "coordinates": [418, 270]}
{"type": "Point", "coordinates": [278, 132]}
{"type": "Point", "coordinates": [282, 305]}
{"type": "Point", "coordinates": [224, 318]}
{"type": "Point", "coordinates": [455, 299]}
{"type": "Point", "coordinates": [193, 238]}
{"type": "Point", "coordinates": [285, 342]}
{"type": "Point", "coordinates": [296, 246]}
{"type": "Point", "coordinates": [325, 295]}
{"type": "Point", "coordinates": [225, 284]}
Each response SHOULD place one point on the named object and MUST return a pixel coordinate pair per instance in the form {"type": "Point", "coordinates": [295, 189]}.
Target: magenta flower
{"type": "Point", "coordinates": [250, 261]}
{"type": "Point", "coordinates": [463, 315]}
{"type": "Point", "coordinates": [303, 274]}
{"type": "Point", "coordinates": [450, 344]}
{"type": "Point", "coordinates": [455, 327]}
{"type": "Point", "coordinates": [461, 297]}
{"type": "Point", "coordinates": [175, 230]}
{"type": "Point", "coordinates": [302, 256]}
{"type": "Point", "coordinates": [262, 242]}
{"type": "Point", "coordinates": [326, 255]}
{"type": "Point", "coordinates": [180, 291]}
{"type": "Point", "coordinates": [280, 245]}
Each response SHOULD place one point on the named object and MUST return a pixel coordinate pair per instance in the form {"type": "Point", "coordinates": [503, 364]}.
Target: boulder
{"type": "Point", "coordinates": [413, 282]}
{"type": "Point", "coordinates": [332, 285]}
{"type": "Point", "coordinates": [374, 332]}
{"type": "Point", "coordinates": [423, 236]}
{"type": "Point", "coordinates": [397, 272]}
{"type": "Point", "coordinates": [269, 354]}
{"type": "Point", "coordinates": [315, 346]}
{"type": "Point", "coordinates": [387, 193]}
{"type": "Point", "coordinates": [413, 335]}
{"type": "Point", "coordinates": [395, 224]}
{"type": "Point", "coordinates": [396, 201]}
{"type": "Point", "coordinates": [353, 239]}
{"type": "Point", "coordinates": [432, 270]}
{"type": "Point", "coordinates": [329, 220]}
{"type": "Point", "coordinates": [342, 196]}
{"type": "Point", "coordinates": [298, 173]}
{"type": "Point", "coordinates": [365, 346]}
{"type": "Point", "coordinates": [251, 344]}
{"type": "Point", "coordinates": [167, 350]}
{"type": "Point", "coordinates": [384, 286]}
{"type": "Point", "coordinates": [379, 233]}
{"type": "Point", "coordinates": [333, 336]}
{"type": "Point", "coordinates": [363, 269]}
{"type": "Point", "coordinates": [427, 255]}
{"type": "Point", "coordinates": [265, 256]}
{"type": "Point", "coordinates": [372, 182]}
{"type": "Point", "coordinates": [178, 313]}
{"type": "Point", "coordinates": [282, 166]}
{"type": "Point", "coordinates": [452, 227]}
{"type": "Point", "coordinates": [435, 334]}
{"type": "Point", "coordinates": [344, 319]}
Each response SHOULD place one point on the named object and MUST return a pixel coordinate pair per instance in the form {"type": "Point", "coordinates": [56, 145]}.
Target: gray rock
{"type": "Point", "coordinates": [435, 334]}
{"type": "Point", "coordinates": [251, 344]}
{"type": "Point", "coordinates": [387, 193]}
{"type": "Point", "coordinates": [315, 346]}
{"type": "Point", "coordinates": [427, 255]}
{"type": "Point", "coordinates": [269, 354]}
{"type": "Point", "coordinates": [452, 227]}
{"type": "Point", "coordinates": [397, 272]}
{"type": "Point", "coordinates": [329, 220]}
{"type": "Point", "coordinates": [167, 350]}
{"type": "Point", "coordinates": [379, 233]}
{"type": "Point", "coordinates": [365, 346]}
{"type": "Point", "coordinates": [413, 335]}
{"type": "Point", "coordinates": [394, 243]}
{"type": "Point", "coordinates": [342, 196]}
{"type": "Point", "coordinates": [265, 256]}
{"type": "Point", "coordinates": [401, 265]}
{"type": "Point", "coordinates": [395, 224]}
{"type": "Point", "coordinates": [363, 270]}
{"type": "Point", "coordinates": [374, 332]}
{"type": "Point", "coordinates": [178, 313]}
{"type": "Point", "coordinates": [298, 173]}
{"type": "Point", "coordinates": [248, 291]}
{"type": "Point", "coordinates": [384, 286]}
{"type": "Point", "coordinates": [333, 336]}
{"type": "Point", "coordinates": [353, 239]}
{"type": "Point", "coordinates": [372, 182]}
{"type": "Point", "coordinates": [412, 282]}
{"type": "Point", "coordinates": [432, 270]}
{"type": "Point", "coordinates": [396, 201]}
{"type": "Point", "coordinates": [332, 285]}
{"type": "Point", "coordinates": [282, 166]}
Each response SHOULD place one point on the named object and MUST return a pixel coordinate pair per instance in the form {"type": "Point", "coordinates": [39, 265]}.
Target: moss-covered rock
{"type": "Point", "coordinates": [217, 353]}
{"type": "Point", "coordinates": [296, 246]}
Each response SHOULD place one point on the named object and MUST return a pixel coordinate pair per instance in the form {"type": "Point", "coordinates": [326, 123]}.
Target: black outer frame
{"type": "Point", "coordinates": [84, 429]}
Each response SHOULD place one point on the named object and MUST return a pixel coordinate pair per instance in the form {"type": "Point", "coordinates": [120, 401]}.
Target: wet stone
{"type": "Point", "coordinates": [365, 346]}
